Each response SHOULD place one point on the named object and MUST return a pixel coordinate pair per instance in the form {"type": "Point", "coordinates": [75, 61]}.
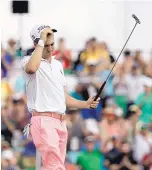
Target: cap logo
{"type": "Point", "coordinates": [42, 27]}
{"type": "Point", "coordinates": [33, 37]}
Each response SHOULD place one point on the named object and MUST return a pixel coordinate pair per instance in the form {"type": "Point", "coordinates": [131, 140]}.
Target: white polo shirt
{"type": "Point", "coordinates": [45, 88]}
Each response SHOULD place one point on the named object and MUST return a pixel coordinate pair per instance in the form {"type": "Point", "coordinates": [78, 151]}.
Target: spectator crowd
{"type": "Point", "coordinates": [117, 135]}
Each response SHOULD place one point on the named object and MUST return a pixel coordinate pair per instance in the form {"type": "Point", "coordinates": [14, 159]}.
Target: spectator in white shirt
{"type": "Point", "coordinates": [142, 144]}
{"type": "Point", "coordinates": [134, 83]}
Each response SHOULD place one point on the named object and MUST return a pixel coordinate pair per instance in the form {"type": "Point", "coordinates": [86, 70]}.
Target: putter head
{"type": "Point", "coordinates": [137, 20]}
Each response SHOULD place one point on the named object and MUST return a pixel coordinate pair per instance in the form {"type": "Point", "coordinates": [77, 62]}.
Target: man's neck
{"type": "Point", "coordinates": [48, 59]}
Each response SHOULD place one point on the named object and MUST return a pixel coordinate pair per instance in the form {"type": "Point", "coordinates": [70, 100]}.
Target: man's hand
{"type": "Point", "coordinates": [74, 103]}
{"type": "Point", "coordinates": [45, 33]}
{"type": "Point", "coordinates": [91, 103]}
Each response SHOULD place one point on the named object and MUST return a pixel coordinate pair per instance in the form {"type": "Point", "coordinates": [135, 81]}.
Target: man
{"type": "Point", "coordinates": [120, 156]}
{"type": "Point", "coordinates": [144, 101]}
{"type": "Point", "coordinates": [135, 82]}
{"type": "Point", "coordinates": [47, 99]}
{"type": "Point", "coordinates": [64, 55]}
{"type": "Point", "coordinates": [142, 139]}
{"type": "Point", "coordinates": [76, 130]}
{"type": "Point", "coordinates": [91, 158]}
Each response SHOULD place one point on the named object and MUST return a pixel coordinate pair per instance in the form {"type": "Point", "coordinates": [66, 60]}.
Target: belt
{"type": "Point", "coordinates": [50, 114]}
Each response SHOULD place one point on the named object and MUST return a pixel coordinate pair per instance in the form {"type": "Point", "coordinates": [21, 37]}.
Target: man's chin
{"type": "Point", "coordinates": [49, 54]}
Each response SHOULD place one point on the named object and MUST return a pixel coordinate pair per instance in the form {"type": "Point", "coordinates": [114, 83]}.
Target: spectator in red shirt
{"type": "Point", "coordinates": [63, 54]}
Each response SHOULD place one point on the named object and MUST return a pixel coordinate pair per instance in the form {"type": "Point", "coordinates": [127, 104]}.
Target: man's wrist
{"type": "Point", "coordinates": [41, 43]}
{"type": "Point", "coordinates": [86, 105]}
{"type": "Point", "coordinates": [82, 104]}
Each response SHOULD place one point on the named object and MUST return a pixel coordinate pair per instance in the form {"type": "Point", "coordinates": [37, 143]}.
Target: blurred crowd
{"type": "Point", "coordinates": [117, 135]}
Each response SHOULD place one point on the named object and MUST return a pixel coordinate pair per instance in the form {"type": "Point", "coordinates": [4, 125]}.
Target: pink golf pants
{"type": "Point", "coordinates": [50, 138]}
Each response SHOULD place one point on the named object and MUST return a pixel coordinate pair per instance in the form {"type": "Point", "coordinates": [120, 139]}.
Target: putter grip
{"type": "Point", "coordinates": [135, 17]}
{"type": "Point", "coordinates": [99, 92]}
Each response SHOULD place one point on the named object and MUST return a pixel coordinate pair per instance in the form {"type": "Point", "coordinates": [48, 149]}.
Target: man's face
{"type": "Point", "coordinates": [138, 53]}
{"type": "Point", "coordinates": [62, 45]}
{"type": "Point", "coordinates": [134, 117]}
{"type": "Point", "coordinates": [19, 108]}
{"type": "Point", "coordinates": [90, 146]}
{"type": "Point", "coordinates": [144, 132]}
{"type": "Point", "coordinates": [136, 71]}
{"type": "Point", "coordinates": [92, 69]}
{"type": "Point", "coordinates": [79, 88]}
{"type": "Point", "coordinates": [147, 89]}
{"type": "Point", "coordinates": [48, 47]}
{"type": "Point", "coordinates": [125, 148]}
{"type": "Point", "coordinates": [93, 44]}
{"type": "Point", "coordinates": [110, 117]}
{"type": "Point", "coordinates": [116, 142]}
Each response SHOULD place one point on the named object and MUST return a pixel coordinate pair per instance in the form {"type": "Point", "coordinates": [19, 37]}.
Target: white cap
{"type": "Point", "coordinates": [36, 31]}
{"type": "Point", "coordinates": [90, 139]}
{"type": "Point", "coordinates": [118, 112]}
{"type": "Point", "coordinates": [92, 62]}
{"type": "Point", "coordinates": [18, 96]}
{"type": "Point", "coordinates": [7, 154]}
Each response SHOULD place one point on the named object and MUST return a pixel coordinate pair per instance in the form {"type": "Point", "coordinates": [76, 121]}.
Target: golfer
{"type": "Point", "coordinates": [47, 99]}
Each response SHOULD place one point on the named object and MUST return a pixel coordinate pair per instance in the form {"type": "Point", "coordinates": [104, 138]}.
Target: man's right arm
{"type": "Point", "coordinates": [34, 62]}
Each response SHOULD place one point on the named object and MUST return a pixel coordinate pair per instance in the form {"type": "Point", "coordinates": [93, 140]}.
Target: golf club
{"type": "Point", "coordinates": [103, 85]}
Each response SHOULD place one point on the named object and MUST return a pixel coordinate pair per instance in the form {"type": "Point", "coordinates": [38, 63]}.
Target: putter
{"type": "Point", "coordinates": [103, 85]}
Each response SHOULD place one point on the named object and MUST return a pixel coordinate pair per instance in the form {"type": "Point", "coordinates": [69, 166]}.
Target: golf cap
{"type": "Point", "coordinates": [36, 31]}
{"type": "Point", "coordinates": [133, 108]}
{"type": "Point", "coordinates": [89, 139]}
{"type": "Point", "coordinates": [92, 62]}
{"type": "Point", "coordinates": [118, 112]}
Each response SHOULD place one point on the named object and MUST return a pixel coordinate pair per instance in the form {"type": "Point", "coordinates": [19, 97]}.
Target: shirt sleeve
{"type": "Point", "coordinates": [24, 61]}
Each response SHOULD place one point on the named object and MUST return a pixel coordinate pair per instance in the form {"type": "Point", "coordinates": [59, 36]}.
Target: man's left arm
{"type": "Point", "coordinates": [74, 103]}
